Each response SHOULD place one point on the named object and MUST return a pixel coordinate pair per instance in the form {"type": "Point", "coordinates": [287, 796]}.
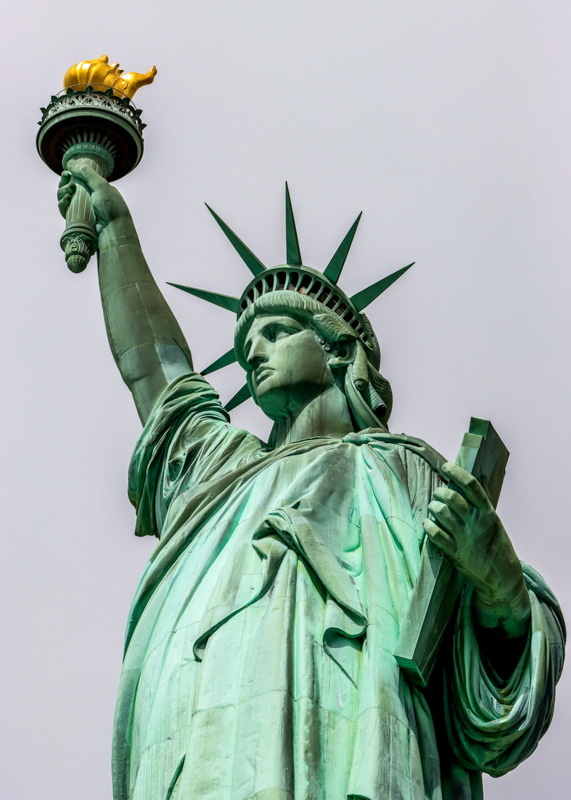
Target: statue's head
{"type": "Point", "coordinates": [298, 333]}
{"type": "Point", "coordinates": [290, 359]}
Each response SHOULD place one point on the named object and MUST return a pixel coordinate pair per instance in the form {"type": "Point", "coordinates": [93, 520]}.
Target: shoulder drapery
{"type": "Point", "coordinates": [188, 432]}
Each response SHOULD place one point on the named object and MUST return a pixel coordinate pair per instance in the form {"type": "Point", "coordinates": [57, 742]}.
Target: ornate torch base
{"type": "Point", "coordinates": [92, 125]}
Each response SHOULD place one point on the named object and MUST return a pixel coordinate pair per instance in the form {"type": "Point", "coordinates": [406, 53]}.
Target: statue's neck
{"type": "Point", "coordinates": [326, 415]}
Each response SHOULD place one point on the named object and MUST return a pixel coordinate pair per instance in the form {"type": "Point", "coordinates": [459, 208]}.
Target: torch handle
{"type": "Point", "coordinates": [79, 239]}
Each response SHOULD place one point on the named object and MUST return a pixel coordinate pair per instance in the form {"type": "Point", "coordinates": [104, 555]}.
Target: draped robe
{"type": "Point", "coordinates": [258, 659]}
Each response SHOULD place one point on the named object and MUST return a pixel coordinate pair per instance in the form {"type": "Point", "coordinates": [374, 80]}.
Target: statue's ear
{"type": "Point", "coordinates": [342, 353]}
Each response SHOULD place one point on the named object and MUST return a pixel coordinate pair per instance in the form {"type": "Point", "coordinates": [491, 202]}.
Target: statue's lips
{"type": "Point", "coordinates": [261, 374]}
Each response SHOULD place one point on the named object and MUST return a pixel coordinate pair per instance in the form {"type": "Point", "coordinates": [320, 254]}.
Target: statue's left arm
{"type": "Point", "coordinates": [469, 531]}
{"type": "Point", "coordinates": [508, 642]}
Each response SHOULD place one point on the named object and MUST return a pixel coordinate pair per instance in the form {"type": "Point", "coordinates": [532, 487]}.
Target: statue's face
{"type": "Point", "coordinates": [289, 366]}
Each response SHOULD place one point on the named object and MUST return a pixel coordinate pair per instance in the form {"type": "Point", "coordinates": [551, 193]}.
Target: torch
{"type": "Point", "coordinates": [92, 122]}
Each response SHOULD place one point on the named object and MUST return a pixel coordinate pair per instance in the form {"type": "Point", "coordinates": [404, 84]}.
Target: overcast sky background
{"type": "Point", "coordinates": [448, 123]}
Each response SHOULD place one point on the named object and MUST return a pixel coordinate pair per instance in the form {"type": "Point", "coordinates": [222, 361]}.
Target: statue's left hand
{"type": "Point", "coordinates": [468, 530]}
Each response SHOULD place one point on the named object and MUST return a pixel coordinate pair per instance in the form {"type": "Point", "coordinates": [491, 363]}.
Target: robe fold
{"type": "Point", "coordinates": [259, 649]}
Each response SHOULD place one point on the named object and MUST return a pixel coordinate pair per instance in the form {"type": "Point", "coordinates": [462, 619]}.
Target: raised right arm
{"type": "Point", "coordinates": [147, 343]}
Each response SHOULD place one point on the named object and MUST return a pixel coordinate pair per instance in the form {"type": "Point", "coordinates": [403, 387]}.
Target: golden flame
{"type": "Point", "coordinates": [100, 72]}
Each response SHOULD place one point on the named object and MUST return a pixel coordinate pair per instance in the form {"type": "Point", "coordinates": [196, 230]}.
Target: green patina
{"type": "Point", "coordinates": [260, 650]}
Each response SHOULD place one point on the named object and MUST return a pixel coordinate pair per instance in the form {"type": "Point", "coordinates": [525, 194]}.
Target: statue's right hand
{"type": "Point", "coordinates": [108, 205]}
{"type": "Point", "coordinates": [65, 192]}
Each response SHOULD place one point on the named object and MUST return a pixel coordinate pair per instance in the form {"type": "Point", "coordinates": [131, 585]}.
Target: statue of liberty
{"type": "Point", "coordinates": [259, 658]}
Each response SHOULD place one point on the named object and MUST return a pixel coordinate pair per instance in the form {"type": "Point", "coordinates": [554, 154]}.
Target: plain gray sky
{"type": "Point", "coordinates": [448, 123]}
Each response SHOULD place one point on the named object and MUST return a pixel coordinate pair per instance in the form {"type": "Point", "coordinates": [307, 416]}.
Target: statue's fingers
{"type": "Point", "coordinates": [64, 202]}
{"type": "Point", "coordinates": [446, 518]}
{"type": "Point", "coordinates": [440, 538]}
{"type": "Point", "coordinates": [65, 178]}
{"type": "Point", "coordinates": [454, 501]}
{"type": "Point", "coordinates": [466, 481]}
{"type": "Point", "coordinates": [66, 191]}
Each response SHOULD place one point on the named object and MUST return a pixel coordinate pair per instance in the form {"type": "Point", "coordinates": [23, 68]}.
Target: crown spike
{"type": "Point", "coordinates": [364, 298]}
{"type": "Point", "coordinates": [333, 269]}
{"type": "Point", "coordinates": [293, 253]}
{"type": "Point", "coordinates": [222, 300]}
{"type": "Point", "coordinates": [223, 361]}
{"type": "Point", "coordinates": [250, 260]}
{"type": "Point", "coordinates": [240, 397]}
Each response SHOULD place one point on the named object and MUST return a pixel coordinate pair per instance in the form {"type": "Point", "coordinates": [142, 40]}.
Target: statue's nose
{"type": "Point", "coordinates": [257, 354]}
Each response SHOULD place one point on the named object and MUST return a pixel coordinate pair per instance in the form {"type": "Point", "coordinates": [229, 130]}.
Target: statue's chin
{"type": "Point", "coordinates": [276, 403]}
{"type": "Point", "coordinates": [282, 402]}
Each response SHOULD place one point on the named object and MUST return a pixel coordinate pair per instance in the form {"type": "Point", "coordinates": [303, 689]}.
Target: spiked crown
{"type": "Point", "coordinates": [294, 276]}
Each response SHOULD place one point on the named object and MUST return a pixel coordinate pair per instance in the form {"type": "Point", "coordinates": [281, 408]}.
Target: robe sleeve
{"type": "Point", "coordinates": [493, 724]}
{"type": "Point", "coordinates": [187, 439]}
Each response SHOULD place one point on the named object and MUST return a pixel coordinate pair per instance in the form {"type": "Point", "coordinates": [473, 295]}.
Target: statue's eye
{"type": "Point", "coordinates": [276, 332]}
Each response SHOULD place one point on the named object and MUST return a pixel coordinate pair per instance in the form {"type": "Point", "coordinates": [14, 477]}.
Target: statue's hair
{"type": "Point", "coordinates": [374, 388]}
